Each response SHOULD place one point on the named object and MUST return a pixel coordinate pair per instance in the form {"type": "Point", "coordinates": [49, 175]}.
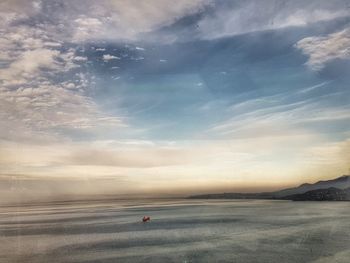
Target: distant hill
{"type": "Point", "coordinates": [334, 187]}
{"type": "Point", "coordinates": [329, 194]}
{"type": "Point", "coordinates": [342, 182]}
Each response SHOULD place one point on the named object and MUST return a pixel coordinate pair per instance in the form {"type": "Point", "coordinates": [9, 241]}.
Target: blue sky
{"type": "Point", "coordinates": [154, 97]}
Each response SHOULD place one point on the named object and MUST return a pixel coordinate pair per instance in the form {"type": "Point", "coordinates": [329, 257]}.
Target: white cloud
{"type": "Point", "coordinates": [86, 28]}
{"type": "Point", "coordinates": [322, 49]}
{"type": "Point", "coordinates": [29, 51]}
{"type": "Point", "coordinates": [36, 102]}
{"type": "Point", "coordinates": [80, 58]}
{"type": "Point", "coordinates": [52, 44]}
{"type": "Point", "coordinates": [34, 112]}
{"type": "Point", "coordinates": [108, 57]}
{"type": "Point", "coordinates": [29, 64]}
{"type": "Point", "coordinates": [70, 85]}
{"type": "Point", "coordinates": [12, 10]}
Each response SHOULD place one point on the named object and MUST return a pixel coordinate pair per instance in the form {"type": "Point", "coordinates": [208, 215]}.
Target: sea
{"type": "Point", "coordinates": [179, 230]}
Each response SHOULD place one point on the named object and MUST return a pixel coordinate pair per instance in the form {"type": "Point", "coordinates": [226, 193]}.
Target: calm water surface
{"type": "Point", "coordinates": [179, 231]}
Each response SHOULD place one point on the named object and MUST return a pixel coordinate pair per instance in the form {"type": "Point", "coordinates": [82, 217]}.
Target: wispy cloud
{"type": "Point", "coordinates": [267, 116]}
{"type": "Point", "coordinates": [314, 87]}
{"type": "Point", "coordinates": [239, 17]}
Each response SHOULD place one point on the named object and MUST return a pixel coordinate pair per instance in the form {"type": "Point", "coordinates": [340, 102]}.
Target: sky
{"type": "Point", "coordinates": [163, 97]}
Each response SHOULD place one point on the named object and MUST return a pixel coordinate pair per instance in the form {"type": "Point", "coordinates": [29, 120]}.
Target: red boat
{"type": "Point", "coordinates": [146, 218]}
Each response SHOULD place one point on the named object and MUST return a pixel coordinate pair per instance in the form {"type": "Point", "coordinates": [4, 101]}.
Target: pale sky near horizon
{"type": "Point", "coordinates": [153, 97]}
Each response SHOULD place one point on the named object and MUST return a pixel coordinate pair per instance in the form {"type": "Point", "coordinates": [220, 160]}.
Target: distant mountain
{"type": "Point", "coordinates": [329, 194]}
{"type": "Point", "coordinates": [342, 182]}
{"type": "Point", "coordinates": [339, 184]}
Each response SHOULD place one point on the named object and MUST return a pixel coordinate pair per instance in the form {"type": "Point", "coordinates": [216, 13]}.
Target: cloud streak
{"type": "Point", "coordinates": [240, 17]}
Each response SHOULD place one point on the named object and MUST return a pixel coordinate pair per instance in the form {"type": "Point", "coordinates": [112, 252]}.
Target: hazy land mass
{"type": "Point", "coordinates": [337, 189]}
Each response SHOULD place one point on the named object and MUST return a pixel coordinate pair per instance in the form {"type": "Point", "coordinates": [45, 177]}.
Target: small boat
{"type": "Point", "coordinates": [145, 219]}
